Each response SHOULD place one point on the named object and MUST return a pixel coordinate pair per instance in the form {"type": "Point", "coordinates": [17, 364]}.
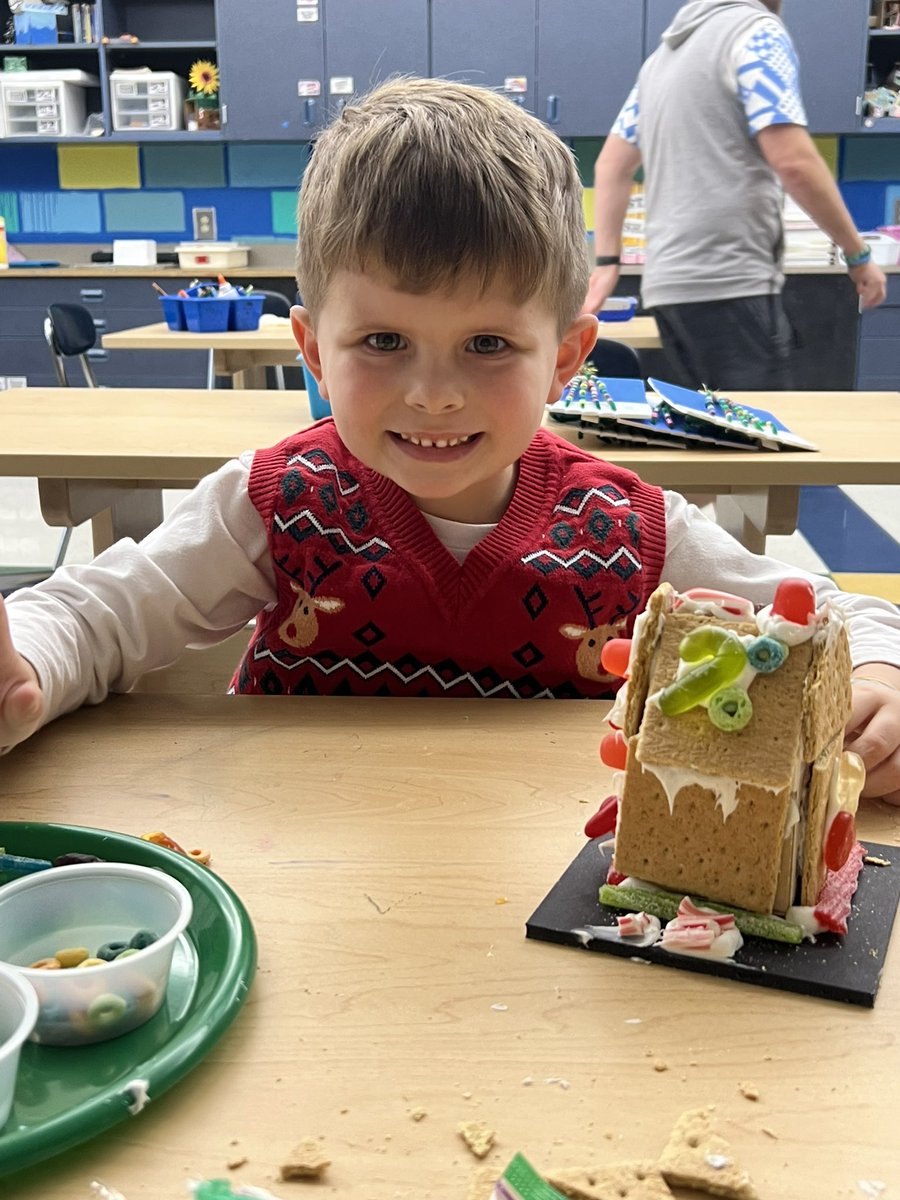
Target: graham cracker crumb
{"type": "Point", "coordinates": [481, 1185]}
{"type": "Point", "coordinates": [749, 1090]}
{"type": "Point", "coordinates": [477, 1136]}
{"type": "Point", "coordinates": [417, 1114]}
{"type": "Point", "coordinates": [659, 1065]}
{"type": "Point", "coordinates": [234, 1163]}
{"type": "Point", "coordinates": [875, 861]}
{"type": "Point", "coordinates": [770, 1133]}
{"type": "Point", "coordinates": [307, 1161]}
{"type": "Point", "coordinates": [696, 1157]}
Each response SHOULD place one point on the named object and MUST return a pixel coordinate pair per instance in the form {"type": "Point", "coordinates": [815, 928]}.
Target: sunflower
{"type": "Point", "coordinates": [204, 78]}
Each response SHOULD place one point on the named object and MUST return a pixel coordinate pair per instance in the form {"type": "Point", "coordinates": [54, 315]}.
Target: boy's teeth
{"type": "Point", "coordinates": [441, 443]}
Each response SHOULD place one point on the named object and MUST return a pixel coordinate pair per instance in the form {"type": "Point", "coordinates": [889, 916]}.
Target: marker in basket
{"type": "Point", "coordinates": [157, 288]}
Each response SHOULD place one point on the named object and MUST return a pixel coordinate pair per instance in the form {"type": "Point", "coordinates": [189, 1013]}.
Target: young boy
{"type": "Point", "coordinates": [431, 540]}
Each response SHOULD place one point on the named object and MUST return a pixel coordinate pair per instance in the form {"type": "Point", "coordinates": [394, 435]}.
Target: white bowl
{"type": "Point", "coordinates": [18, 1014]}
{"type": "Point", "coordinates": [88, 905]}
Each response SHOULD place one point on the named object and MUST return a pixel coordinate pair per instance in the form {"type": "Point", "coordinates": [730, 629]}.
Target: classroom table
{"type": "Point", "coordinates": [389, 854]}
{"type": "Point", "coordinates": [105, 453]}
{"type": "Point", "coordinates": [244, 356]}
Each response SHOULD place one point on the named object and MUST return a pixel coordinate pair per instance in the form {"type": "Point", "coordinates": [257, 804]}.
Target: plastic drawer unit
{"type": "Point", "coordinates": [147, 100]}
{"type": "Point", "coordinates": [44, 104]}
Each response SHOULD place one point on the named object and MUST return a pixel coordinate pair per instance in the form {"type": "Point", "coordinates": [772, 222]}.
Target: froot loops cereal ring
{"type": "Point", "coordinates": [730, 709]}
{"type": "Point", "coordinates": [766, 654]}
{"type": "Point", "coordinates": [45, 964]}
{"type": "Point", "coordinates": [90, 962]}
{"type": "Point", "coordinates": [107, 1010]}
{"type": "Point", "coordinates": [142, 939]}
{"type": "Point", "coordinates": [71, 956]}
{"type": "Point", "coordinates": [111, 950]}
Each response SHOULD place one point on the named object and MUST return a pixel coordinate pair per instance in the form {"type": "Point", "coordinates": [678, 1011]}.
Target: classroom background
{"type": "Point", "coordinates": [116, 163]}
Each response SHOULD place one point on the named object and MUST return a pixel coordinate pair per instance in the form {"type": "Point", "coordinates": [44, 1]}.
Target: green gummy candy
{"type": "Point", "coordinates": [665, 906]}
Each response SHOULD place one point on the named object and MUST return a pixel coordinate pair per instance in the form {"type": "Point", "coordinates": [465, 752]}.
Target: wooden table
{"type": "Point", "coordinates": [389, 854]}
{"type": "Point", "coordinates": [246, 355]}
{"type": "Point", "coordinates": [109, 451]}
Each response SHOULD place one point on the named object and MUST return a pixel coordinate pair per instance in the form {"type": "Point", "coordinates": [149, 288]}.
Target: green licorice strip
{"type": "Point", "coordinates": [665, 906]}
{"type": "Point", "coordinates": [521, 1180]}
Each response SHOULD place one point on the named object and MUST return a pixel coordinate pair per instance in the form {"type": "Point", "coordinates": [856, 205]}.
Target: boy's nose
{"type": "Point", "coordinates": [434, 395]}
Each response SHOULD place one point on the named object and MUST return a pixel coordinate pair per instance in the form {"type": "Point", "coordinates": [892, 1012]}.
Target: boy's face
{"type": "Point", "coordinates": [440, 392]}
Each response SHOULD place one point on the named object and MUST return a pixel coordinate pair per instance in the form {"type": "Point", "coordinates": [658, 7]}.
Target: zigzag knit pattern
{"type": "Point", "coordinates": [370, 603]}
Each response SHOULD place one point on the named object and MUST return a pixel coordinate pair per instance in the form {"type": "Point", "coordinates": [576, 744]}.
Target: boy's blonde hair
{"type": "Point", "coordinates": [436, 183]}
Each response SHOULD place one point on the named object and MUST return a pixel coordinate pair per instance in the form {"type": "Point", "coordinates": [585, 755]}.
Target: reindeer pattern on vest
{"type": "Point", "coordinates": [369, 602]}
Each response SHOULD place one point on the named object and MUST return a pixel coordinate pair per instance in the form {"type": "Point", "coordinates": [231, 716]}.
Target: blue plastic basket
{"type": "Point", "coordinates": [173, 311]}
{"type": "Point", "coordinates": [206, 315]}
{"type": "Point", "coordinates": [318, 405]}
{"type": "Point", "coordinates": [245, 312]}
{"type": "Point", "coordinates": [618, 308]}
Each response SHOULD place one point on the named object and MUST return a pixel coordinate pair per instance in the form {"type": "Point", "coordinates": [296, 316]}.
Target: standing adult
{"type": "Point", "coordinates": [717, 119]}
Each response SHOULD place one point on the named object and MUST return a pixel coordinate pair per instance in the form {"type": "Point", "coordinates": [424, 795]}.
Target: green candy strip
{"type": "Point", "coordinates": [665, 906]}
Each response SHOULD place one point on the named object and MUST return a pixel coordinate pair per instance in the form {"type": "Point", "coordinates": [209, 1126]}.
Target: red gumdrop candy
{"type": "Point", "coordinates": [795, 600]}
{"type": "Point", "coordinates": [615, 877]}
{"type": "Point", "coordinates": [840, 840]}
{"type": "Point", "coordinates": [604, 819]}
{"type": "Point", "coordinates": [614, 656]}
{"type": "Point", "coordinates": [614, 750]}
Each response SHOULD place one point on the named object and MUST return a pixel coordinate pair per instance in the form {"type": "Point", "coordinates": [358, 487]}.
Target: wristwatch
{"type": "Point", "coordinates": [607, 260]}
{"type": "Point", "coordinates": [859, 259]}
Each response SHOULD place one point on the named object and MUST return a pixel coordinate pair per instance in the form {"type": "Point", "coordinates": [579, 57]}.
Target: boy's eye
{"type": "Point", "coordinates": [385, 341]}
{"type": "Point", "coordinates": [486, 343]}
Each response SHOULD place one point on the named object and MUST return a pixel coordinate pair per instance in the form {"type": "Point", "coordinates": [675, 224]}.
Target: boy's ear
{"type": "Point", "coordinates": [305, 337]}
{"type": "Point", "coordinates": [575, 345]}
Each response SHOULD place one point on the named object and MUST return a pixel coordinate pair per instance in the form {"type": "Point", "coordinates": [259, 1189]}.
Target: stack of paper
{"type": "Point", "coordinates": [804, 243]}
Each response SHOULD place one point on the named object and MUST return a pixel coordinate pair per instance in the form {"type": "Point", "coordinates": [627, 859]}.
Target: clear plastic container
{"type": "Point", "coordinates": [88, 905]}
{"type": "Point", "coordinates": [18, 1014]}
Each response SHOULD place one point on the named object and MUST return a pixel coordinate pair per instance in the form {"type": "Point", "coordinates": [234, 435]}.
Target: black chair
{"type": "Point", "coordinates": [70, 333]}
{"type": "Point", "coordinates": [615, 359]}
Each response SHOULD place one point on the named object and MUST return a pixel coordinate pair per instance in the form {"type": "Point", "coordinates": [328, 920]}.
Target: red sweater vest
{"type": "Point", "coordinates": [370, 603]}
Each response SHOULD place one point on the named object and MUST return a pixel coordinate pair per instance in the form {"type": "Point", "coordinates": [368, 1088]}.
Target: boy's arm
{"type": "Point", "coordinates": [614, 172]}
{"type": "Point", "coordinates": [792, 155]}
{"type": "Point", "coordinates": [201, 576]}
{"type": "Point", "coordinates": [21, 700]}
{"type": "Point", "coordinates": [700, 553]}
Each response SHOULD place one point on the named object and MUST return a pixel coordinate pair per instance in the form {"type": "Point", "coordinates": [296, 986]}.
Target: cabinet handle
{"type": "Point", "coordinates": [99, 323]}
{"type": "Point", "coordinates": [97, 355]}
{"type": "Point", "coordinates": [553, 110]}
{"type": "Point", "coordinates": [309, 112]}
{"type": "Point", "coordinates": [92, 295]}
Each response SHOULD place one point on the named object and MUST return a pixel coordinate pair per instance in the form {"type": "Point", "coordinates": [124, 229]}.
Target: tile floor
{"type": "Point", "coordinates": [851, 533]}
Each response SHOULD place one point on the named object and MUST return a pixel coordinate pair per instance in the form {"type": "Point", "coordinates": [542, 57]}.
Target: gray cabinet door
{"type": "Point", "coordinates": [273, 70]}
{"type": "Point", "coordinates": [830, 37]}
{"type": "Point", "coordinates": [365, 43]}
{"type": "Point", "coordinates": [589, 53]}
{"type": "Point", "coordinates": [492, 45]}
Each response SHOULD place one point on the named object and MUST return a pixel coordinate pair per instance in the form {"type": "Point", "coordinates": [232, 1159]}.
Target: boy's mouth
{"type": "Point", "coordinates": [432, 445]}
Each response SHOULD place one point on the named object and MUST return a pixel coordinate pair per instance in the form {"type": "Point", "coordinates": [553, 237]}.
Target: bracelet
{"type": "Point", "coordinates": [874, 679]}
{"type": "Point", "coordinates": [607, 260]}
{"type": "Point", "coordinates": [859, 259]}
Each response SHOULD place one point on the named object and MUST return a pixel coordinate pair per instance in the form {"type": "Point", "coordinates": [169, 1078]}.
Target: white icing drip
{"type": "Point", "coordinates": [726, 945]}
{"type": "Point", "coordinates": [140, 1094]}
{"type": "Point", "coordinates": [673, 779]}
{"type": "Point", "coordinates": [805, 916]}
{"type": "Point", "coordinates": [616, 715]}
{"type": "Point", "coordinates": [713, 608]}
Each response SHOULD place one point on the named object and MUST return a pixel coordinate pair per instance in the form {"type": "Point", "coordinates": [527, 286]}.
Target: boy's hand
{"type": "Point", "coordinates": [873, 730]}
{"type": "Point", "coordinates": [21, 700]}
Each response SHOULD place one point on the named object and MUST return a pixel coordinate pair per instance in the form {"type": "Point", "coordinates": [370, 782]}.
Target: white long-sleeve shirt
{"type": "Point", "coordinates": [206, 572]}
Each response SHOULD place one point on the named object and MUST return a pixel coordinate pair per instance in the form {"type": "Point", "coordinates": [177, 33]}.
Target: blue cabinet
{"type": "Point", "coordinates": [493, 45]}
{"type": "Point", "coordinates": [830, 37]}
{"type": "Point", "coordinates": [285, 78]}
{"type": "Point", "coordinates": [588, 55]}
{"type": "Point", "coordinates": [878, 362]}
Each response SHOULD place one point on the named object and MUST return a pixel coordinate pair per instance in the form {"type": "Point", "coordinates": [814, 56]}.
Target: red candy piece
{"type": "Point", "coordinates": [840, 840]}
{"type": "Point", "coordinates": [614, 656]}
{"type": "Point", "coordinates": [604, 819]}
{"type": "Point", "coordinates": [795, 600]}
{"type": "Point", "coordinates": [614, 877]}
{"type": "Point", "coordinates": [836, 898]}
{"type": "Point", "coordinates": [614, 750]}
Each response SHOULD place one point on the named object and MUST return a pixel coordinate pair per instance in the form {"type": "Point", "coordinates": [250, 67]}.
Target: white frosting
{"type": "Point", "coordinates": [805, 916]}
{"type": "Point", "coordinates": [140, 1095]}
{"type": "Point", "coordinates": [726, 945]}
{"type": "Point", "coordinates": [785, 631]}
{"type": "Point", "coordinates": [673, 779]}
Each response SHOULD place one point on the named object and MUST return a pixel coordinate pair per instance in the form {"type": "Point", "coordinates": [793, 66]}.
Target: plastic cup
{"type": "Point", "coordinates": [317, 406]}
{"type": "Point", "coordinates": [18, 1014]}
{"type": "Point", "coordinates": [88, 905]}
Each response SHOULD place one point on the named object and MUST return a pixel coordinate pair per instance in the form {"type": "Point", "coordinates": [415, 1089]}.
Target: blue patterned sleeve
{"type": "Point", "coordinates": [626, 123]}
{"type": "Point", "coordinates": [769, 80]}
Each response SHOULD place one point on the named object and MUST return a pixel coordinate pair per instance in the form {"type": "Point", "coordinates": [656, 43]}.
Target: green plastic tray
{"type": "Point", "coordinates": [66, 1095]}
